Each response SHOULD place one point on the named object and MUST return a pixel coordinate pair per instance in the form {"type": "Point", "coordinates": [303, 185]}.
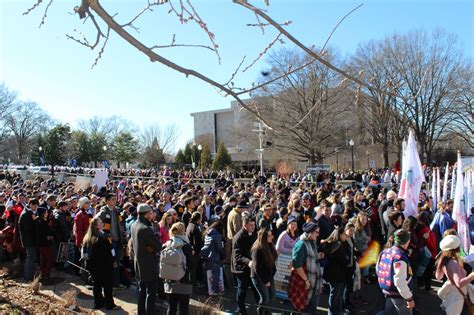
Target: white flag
{"type": "Point", "coordinates": [434, 196]}
{"type": "Point", "coordinates": [438, 185]}
{"type": "Point", "coordinates": [445, 183]}
{"type": "Point", "coordinates": [459, 209]}
{"type": "Point", "coordinates": [412, 177]}
{"type": "Point", "coordinates": [453, 182]}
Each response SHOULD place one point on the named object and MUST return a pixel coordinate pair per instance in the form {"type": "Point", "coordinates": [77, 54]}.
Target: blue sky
{"type": "Point", "coordinates": [41, 64]}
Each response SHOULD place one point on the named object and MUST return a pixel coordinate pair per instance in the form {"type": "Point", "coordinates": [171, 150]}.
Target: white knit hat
{"type": "Point", "coordinates": [450, 242]}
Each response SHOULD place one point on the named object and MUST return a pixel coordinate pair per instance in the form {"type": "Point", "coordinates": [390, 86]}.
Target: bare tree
{"type": "Point", "coordinates": [308, 106]}
{"type": "Point", "coordinates": [165, 137]}
{"type": "Point", "coordinates": [23, 123]}
{"type": "Point", "coordinates": [463, 123]}
{"type": "Point", "coordinates": [429, 67]}
{"type": "Point", "coordinates": [7, 100]}
{"type": "Point", "coordinates": [107, 126]}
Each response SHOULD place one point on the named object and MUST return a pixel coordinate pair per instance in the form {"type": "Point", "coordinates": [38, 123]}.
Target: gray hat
{"type": "Point", "coordinates": [143, 208]}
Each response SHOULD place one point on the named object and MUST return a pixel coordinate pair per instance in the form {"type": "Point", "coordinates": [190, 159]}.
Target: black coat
{"type": "Point", "coordinates": [62, 231]}
{"type": "Point", "coordinates": [263, 268]}
{"type": "Point", "coordinates": [338, 255]}
{"type": "Point", "coordinates": [27, 225]}
{"type": "Point", "coordinates": [145, 249]}
{"type": "Point", "coordinates": [43, 230]}
{"type": "Point", "coordinates": [194, 234]}
{"type": "Point", "coordinates": [241, 246]}
{"type": "Point", "coordinates": [100, 263]}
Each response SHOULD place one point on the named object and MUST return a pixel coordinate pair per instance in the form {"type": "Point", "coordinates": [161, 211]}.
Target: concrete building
{"type": "Point", "coordinates": [233, 126]}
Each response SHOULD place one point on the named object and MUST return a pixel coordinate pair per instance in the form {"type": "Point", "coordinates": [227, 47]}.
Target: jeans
{"type": "Point", "coordinates": [178, 299]}
{"type": "Point", "coordinates": [336, 298]}
{"type": "Point", "coordinates": [396, 306]}
{"type": "Point", "coordinates": [215, 268]}
{"type": "Point", "coordinates": [243, 282]}
{"type": "Point", "coordinates": [266, 294]}
{"type": "Point", "coordinates": [118, 248]}
{"type": "Point", "coordinates": [30, 262]}
{"type": "Point", "coordinates": [146, 297]}
{"type": "Point", "coordinates": [312, 307]}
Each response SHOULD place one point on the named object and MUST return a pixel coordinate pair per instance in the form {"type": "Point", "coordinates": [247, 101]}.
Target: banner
{"type": "Point", "coordinates": [282, 276]}
{"type": "Point", "coordinates": [100, 178]}
{"type": "Point", "coordinates": [82, 182]}
{"type": "Point", "coordinates": [459, 209]}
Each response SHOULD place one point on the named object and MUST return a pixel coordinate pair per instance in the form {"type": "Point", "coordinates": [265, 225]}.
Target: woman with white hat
{"type": "Point", "coordinates": [450, 264]}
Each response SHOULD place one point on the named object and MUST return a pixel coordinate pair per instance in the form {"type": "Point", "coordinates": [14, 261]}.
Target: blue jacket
{"type": "Point", "coordinates": [213, 250]}
{"type": "Point", "coordinates": [386, 270]}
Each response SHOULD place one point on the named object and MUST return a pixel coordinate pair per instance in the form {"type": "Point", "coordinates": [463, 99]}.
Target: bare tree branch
{"type": "Point", "coordinates": [147, 8]}
{"type": "Point", "coordinates": [277, 39]}
{"type": "Point", "coordinates": [38, 2]}
{"type": "Point", "coordinates": [173, 44]}
{"type": "Point", "coordinates": [102, 49]}
{"type": "Point", "coordinates": [235, 73]}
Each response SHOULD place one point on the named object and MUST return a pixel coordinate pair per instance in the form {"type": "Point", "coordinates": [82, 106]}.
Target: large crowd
{"type": "Point", "coordinates": [170, 234]}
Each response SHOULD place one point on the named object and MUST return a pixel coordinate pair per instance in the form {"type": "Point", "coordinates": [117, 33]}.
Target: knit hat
{"type": "Point", "coordinates": [450, 242]}
{"type": "Point", "coordinates": [143, 208]}
{"type": "Point", "coordinates": [401, 237]}
{"type": "Point", "coordinates": [291, 219]}
{"type": "Point", "coordinates": [243, 204]}
{"type": "Point", "coordinates": [40, 211]}
{"type": "Point", "coordinates": [309, 227]}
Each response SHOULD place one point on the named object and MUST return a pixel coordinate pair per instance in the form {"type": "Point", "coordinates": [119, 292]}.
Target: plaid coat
{"type": "Point", "coordinates": [297, 292]}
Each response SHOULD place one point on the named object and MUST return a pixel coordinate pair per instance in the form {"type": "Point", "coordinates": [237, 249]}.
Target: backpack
{"type": "Point", "coordinates": [172, 261]}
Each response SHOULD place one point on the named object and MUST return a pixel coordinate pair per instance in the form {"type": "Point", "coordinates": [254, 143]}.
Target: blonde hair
{"type": "Point", "coordinates": [177, 229]}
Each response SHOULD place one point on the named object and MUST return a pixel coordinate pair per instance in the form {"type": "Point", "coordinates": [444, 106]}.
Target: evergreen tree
{"type": "Point", "coordinates": [124, 147]}
{"type": "Point", "coordinates": [188, 154]}
{"type": "Point", "coordinates": [222, 159]}
{"type": "Point", "coordinates": [55, 145]}
{"type": "Point", "coordinates": [153, 155]}
{"type": "Point", "coordinates": [206, 158]}
{"type": "Point", "coordinates": [180, 159]}
{"type": "Point", "coordinates": [97, 141]}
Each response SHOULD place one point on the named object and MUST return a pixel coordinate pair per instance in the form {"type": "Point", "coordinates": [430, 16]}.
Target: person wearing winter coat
{"type": "Point", "coordinates": [45, 237]}
{"type": "Point", "coordinates": [27, 225]}
{"type": "Point", "coordinates": [81, 221]}
{"type": "Point", "coordinates": [180, 292]}
{"type": "Point", "coordinates": [194, 235]}
{"type": "Point", "coordinates": [428, 251]}
{"type": "Point", "coordinates": [145, 249]}
{"type": "Point", "coordinates": [450, 265]}
{"type": "Point", "coordinates": [241, 260]}
{"type": "Point", "coordinates": [263, 268]}
{"type": "Point", "coordinates": [100, 263]}
{"type": "Point", "coordinates": [287, 239]}
{"type": "Point", "coordinates": [213, 254]}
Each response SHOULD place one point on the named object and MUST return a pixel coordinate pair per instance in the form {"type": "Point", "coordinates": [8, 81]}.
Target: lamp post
{"type": "Point", "coordinates": [368, 156]}
{"type": "Point", "coordinates": [351, 143]}
{"type": "Point", "coordinates": [41, 154]}
{"type": "Point", "coordinates": [104, 148]}
{"type": "Point", "coordinates": [260, 132]}
{"type": "Point", "coordinates": [198, 160]}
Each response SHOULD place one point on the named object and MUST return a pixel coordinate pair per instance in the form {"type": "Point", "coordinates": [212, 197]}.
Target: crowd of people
{"type": "Point", "coordinates": [169, 235]}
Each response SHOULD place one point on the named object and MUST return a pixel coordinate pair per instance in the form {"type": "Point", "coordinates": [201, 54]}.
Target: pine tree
{"type": "Point", "coordinates": [124, 147]}
{"type": "Point", "coordinates": [206, 158]}
{"type": "Point", "coordinates": [222, 159]}
{"type": "Point", "coordinates": [180, 159]}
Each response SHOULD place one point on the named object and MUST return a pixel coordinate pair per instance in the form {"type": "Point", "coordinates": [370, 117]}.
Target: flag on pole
{"type": "Point", "coordinates": [459, 210]}
{"type": "Point", "coordinates": [434, 198]}
{"type": "Point", "coordinates": [438, 185]}
{"type": "Point", "coordinates": [445, 183]}
{"type": "Point", "coordinates": [412, 177]}
{"type": "Point", "coordinates": [453, 182]}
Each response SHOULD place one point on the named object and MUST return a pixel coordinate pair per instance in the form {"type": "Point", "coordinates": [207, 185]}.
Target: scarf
{"type": "Point", "coordinates": [313, 270]}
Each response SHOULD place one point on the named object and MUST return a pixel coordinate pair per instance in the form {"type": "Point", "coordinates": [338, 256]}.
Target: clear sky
{"type": "Point", "coordinates": [42, 65]}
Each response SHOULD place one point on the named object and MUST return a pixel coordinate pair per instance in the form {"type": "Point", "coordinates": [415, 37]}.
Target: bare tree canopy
{"type": "Point", "coordinates": [23, 123]}
{"type": "Point", "coordinates": [307, 105]}
{"type": "Point", "coordinates": [165, 137]}
{"type": "Point", "coordinates": [107, 126]}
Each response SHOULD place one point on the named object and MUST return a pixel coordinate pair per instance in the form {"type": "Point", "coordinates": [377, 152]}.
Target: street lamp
{"type": "Point", "coordinates": [41, 155]}
{"type": "Point", "coordinates": [351, 143]}
{"type": "Point", "coordinates": [198, 160]}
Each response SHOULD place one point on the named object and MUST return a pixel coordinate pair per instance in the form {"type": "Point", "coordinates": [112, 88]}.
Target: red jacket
{"type": "Point", "coordinates": [430, 241]}
{"type": "Point", "coordinates": [81, 223]}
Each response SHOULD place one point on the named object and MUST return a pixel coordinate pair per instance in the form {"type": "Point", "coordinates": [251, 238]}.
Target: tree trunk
{"type": "Point", "coordinates": [386, 162]}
